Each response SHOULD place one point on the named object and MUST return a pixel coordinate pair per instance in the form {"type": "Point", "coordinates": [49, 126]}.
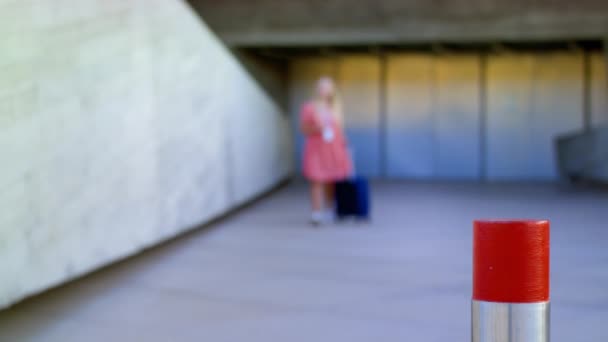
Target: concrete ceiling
{"type": "Point", "coordinates": [254, 23]}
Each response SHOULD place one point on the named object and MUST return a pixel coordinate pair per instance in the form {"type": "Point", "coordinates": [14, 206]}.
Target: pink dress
{"type": "Point", "coordinates": [326, 157]}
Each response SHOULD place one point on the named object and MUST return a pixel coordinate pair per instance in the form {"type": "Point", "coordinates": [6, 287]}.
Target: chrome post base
{"type": "Point", "coordinates": [510, 322]}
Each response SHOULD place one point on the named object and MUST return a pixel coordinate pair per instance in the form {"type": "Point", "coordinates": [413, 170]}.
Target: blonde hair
{"type": "Point", "coordinates": [335, 100]}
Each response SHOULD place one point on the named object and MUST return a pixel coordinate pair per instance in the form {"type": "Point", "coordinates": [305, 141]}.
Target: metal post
{"type": "Point", "coordinates": [510, 282]}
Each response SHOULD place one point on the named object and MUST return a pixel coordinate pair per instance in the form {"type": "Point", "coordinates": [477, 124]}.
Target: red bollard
{"type": "Point", "coordinates": [510, 281]}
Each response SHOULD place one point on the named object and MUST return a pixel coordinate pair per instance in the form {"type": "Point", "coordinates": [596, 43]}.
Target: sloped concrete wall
{"type": "Point", "coordinates": [122, 123]}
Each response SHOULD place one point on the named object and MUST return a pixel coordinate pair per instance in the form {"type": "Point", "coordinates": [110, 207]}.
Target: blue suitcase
{"type": "Point", "coordinates": [352, 198]}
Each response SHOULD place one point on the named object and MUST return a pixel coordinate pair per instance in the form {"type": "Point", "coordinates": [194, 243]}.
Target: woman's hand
{"type": "Point", "coordinates": [310, 128]}
{"type": "Point", "coordinates": [310, 123]}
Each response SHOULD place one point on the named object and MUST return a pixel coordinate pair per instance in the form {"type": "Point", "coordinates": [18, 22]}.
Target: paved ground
{"type": "Point", "coordinates": [264, 275]}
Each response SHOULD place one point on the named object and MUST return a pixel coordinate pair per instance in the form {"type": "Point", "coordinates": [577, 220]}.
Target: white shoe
{"type": "Point", "coordinates": [316, 218]}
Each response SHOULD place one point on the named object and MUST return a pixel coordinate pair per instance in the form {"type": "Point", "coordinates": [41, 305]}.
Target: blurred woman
{"type": "Point", "coordinates": [326, 159]}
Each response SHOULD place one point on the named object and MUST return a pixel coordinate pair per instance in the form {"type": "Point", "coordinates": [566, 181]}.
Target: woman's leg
{"type": "Point", "coordinates": [329, 201]}
{"type": "Point", "coordinates": [316, 198]}
{"type": "Point", "coordinates": [329, 193]}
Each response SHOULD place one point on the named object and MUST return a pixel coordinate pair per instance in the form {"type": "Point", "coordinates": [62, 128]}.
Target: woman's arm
{"type": "Point", "coordinates": [308, 121]}
{"type": "Point", "coordinates": [309, 128]}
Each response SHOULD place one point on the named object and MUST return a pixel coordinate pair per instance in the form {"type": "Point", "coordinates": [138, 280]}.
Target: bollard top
{"type": "Point", "coordinates": [511, 261]}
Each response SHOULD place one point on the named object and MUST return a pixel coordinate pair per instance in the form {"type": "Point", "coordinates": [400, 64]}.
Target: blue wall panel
{"type": "Point", "coordinates": [434, 125]}
{"type": "Point", "coordinates": [457, 117]}
{"type": "Point", "coordinates": [532, 98]}
{"type": "Point", "coordinates": [359, 81]}
{"type": "Point", "coordinates": [599, 90]}
{"type": "Point", "coordinates": [409, 116]}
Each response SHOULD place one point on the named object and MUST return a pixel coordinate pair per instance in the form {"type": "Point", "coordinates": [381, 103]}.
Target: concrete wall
{"type": "Point", "coordinates": [318, 22]}
{"type": "Point", "coordinates": [122, 123]}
